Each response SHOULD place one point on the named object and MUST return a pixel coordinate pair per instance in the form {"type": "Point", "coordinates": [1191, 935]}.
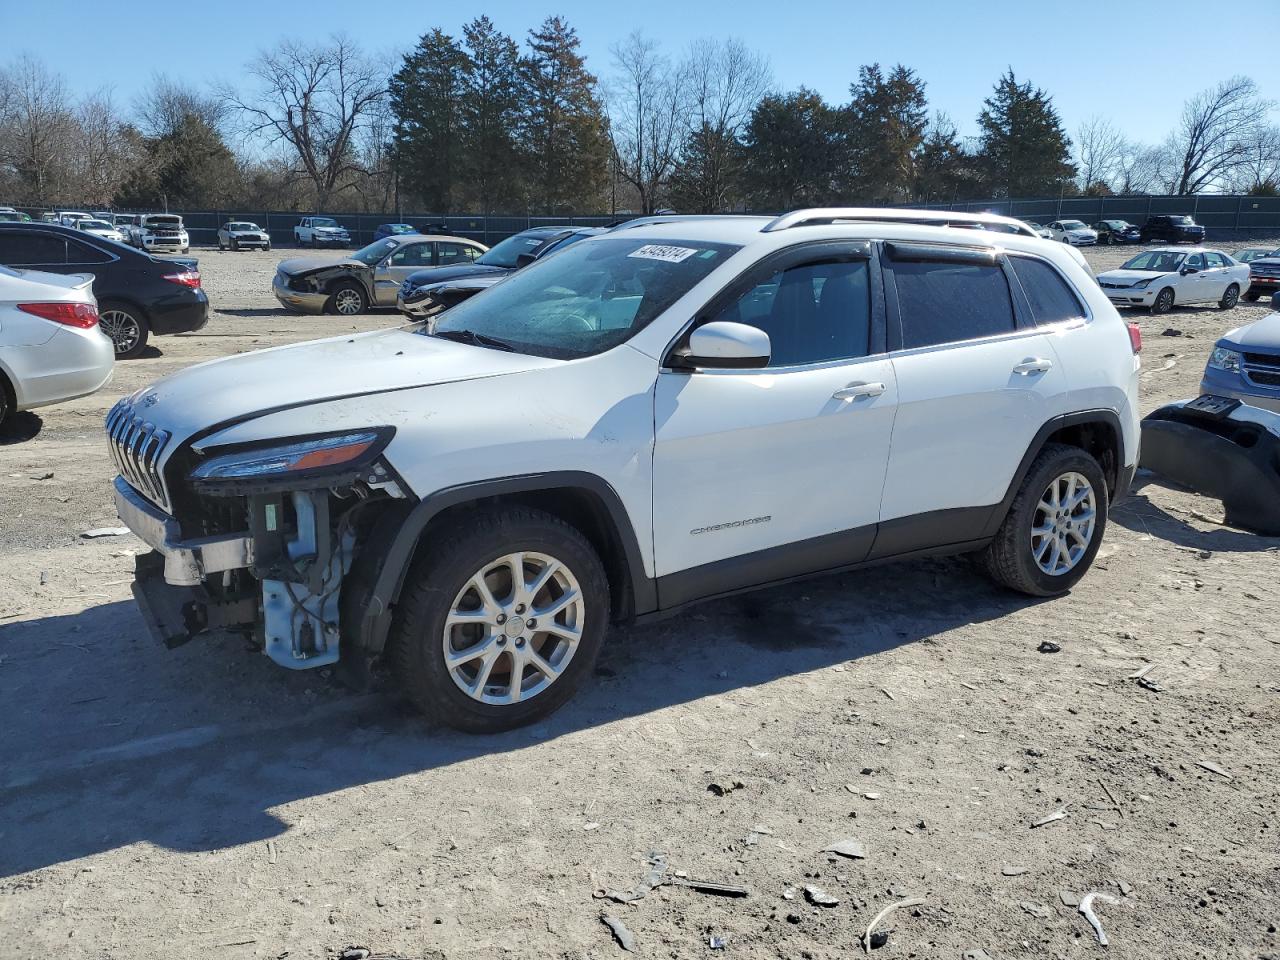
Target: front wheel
{"type": "Point", "coordinates": [502, 620]}
{"type": "Point", "coordinates": [1230, 298]}
{"type": "Point", "coordinates": [1055, 525]}
{"type": "Point", "coordinates": [126, 328]}
{"type": "Point", "coordinates": [348, 299]}
{"type": "Point", "coordinates": [1163, 302]}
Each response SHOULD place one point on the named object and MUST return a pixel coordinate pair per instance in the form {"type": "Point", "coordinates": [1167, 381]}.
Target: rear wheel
{"type": "Point", "coordinates": [348, 299]}
{"type": "Point", "coordinates": [6, 399]}
{"type": "Point", "coordinates": [126, 328]}
{"type": "Point", "coordinates": [501, 622]}
{"type": "Point", "coordinates": [1055, 525]}
{"type": "Point", "coordinates": [235, 244]}
{"type": "Point", "coordinates": [1230, 298]}
{"type": "Point", "coordinates": [1163, 302]}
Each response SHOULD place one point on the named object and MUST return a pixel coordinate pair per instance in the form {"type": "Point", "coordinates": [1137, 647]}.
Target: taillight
{"type": "Point", "coordinates": [1135, 337]}
{"type": "Point", "coordinates": [188, 278]}
{"type": "Point", "coordinates": [82, 315]}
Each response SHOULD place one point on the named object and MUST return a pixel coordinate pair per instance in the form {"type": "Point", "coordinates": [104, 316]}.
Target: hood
{"type": "Point", "coordinates": [1131, 277]}
{"type": "Point", "coordinates": [244, 386]}
{"type": "Point", "coordinates": [455, 272]}
{"type": "Point", "coordinates": [248, 233]}
{"type": "Point", "coordinates": [1269, 263]}
{"type": "Point", "coordinates": [1080, 231]}
{"type": "Point", "coordinates": [297, 266]}
{"type": "Point", "coordinates": [1261, 333]}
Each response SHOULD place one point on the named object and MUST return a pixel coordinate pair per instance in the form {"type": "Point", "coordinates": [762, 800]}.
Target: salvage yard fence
{"type": "Point", "coordinates": [1223, 215]}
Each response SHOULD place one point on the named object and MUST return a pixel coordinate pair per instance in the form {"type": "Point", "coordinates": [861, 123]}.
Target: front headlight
{"type": "Point", "coordinates": [1224, 359]}
{"type": "Point", "coordinates": [1143, 284]}
{"type": "Point", "coordinates": [304, 463]}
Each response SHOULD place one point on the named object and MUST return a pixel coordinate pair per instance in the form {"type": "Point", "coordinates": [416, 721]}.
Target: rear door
{"type": "Point", "coordinates": [976, 381]}
{"type": "Point", "coordinates": [1199, 286]}
{"type": "Point", "coordinates": [1218, 271]}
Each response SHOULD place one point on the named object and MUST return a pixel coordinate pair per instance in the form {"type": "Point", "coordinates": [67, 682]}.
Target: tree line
{"type": "Point", "coordinates": [483, 123]}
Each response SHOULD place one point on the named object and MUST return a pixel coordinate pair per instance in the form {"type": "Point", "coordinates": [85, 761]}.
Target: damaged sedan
{"type": "Point", "coordinates": [369, 277]}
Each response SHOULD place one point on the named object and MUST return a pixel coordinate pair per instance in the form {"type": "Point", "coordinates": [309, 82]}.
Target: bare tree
{"type": "Point", "coordinates": [1099, 149]}
{"type": "Point", "coordinates": [1138, 168]}
{"type": "Point", "coordinates": [1260, 163]}
{"type": "Point", "coordinates": [38, 129]}
{"type": "Point", "coordinates": [647, 109]}
{"type": "Point", "coordinates": [166, 103]}
{"type": "Point", "coordinates": [104, 154]}
{"type": "Point", "coordinates": [1212, 137]}
{"type": "Point", "coordinates": [316, 99]}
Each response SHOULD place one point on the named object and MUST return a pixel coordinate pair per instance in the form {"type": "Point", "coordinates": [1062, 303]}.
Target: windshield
{"type": "Point", "coordinates": [94, 225]}
{"type": "Point", "coordinates": [242, 226]}
{"type": "Point", "coordinates": [588, 298]}
{"type": "Point", "coordinates": [1072, 225]}
{"type": "Point", "coordinates": [505, 253]}
{"type": "Point", "coordinates": [1164, 261]}
{"type": "Point", "coordinates": [1183, 220]}
{"type": "Point", "coordinates": [164, 221]}
{"type": "Point", "coordinates": [375, 251]}
{"type": "Point", "coordinates": [323, 222]}
{"type": "Point", "coordinates": [399, 228]}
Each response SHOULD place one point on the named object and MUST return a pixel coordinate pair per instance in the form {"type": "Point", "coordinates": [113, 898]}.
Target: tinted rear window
{"type": "Point", "coordinates": [943, 302]}
{"type": "Point", "coordinates": [1051, 298]}
{"type": "Point", "coordinates": [20, 249]}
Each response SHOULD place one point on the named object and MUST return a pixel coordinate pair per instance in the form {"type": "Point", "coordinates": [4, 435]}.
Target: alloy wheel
{"type": "Point", "coordinates": [513, 628]}
{"type": "Point", "coordinates": [1231, 297]}
{"type": "Point", "coordinates": [347, 302]}
{"type": "Point", "coordinates": [122, 328]}
{"type": "Point", "coordinates": [1063, 524]}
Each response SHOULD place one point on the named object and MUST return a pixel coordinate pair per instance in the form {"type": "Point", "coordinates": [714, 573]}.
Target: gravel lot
{"type": "Point", "coordinates": [203, 802]}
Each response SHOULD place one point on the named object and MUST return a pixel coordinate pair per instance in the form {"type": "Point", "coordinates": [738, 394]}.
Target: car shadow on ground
{"type": "Point", "coordinates": [110, 740]}
{"type": "Point", "coordinates": [20, 428]}
{"type": "Point", "coordinates": [1139, 514]}
{"type": "Point", "coordinates": [258, 312]}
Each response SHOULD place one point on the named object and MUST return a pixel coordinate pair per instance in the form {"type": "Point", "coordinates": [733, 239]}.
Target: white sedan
{"type": "Point", "coordinates": [1073, 232]}
{"type": "Point", "coordinates": [100, 228]}
{"type": "Point", "coordinates": [51, 348]}
{"type": "Point", "coordinates": [1157, 279]}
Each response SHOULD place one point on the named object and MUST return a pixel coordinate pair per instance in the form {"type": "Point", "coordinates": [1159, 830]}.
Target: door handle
{"type": "Point", "coordinates": [856, 391]}
{"type": "Point", "coordinates": [1033, 365]}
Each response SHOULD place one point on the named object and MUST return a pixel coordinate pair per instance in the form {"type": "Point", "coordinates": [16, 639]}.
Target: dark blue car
{"type": "Point", "coordinates": [392, 230]}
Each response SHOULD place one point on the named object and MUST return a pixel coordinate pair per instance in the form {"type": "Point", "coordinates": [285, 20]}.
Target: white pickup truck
{"type": "Point", "coordinates": [320, 231]}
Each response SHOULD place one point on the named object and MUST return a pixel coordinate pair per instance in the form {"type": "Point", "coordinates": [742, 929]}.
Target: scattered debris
{"type": "Point", "coordinates": [968, 686]}
{"type": "Point", "coordinates": [879, 939]}
{"type": "Point", "coordinates": [654, 877]}
{"type": "Point", "coordinates": [728, 786]}
{"type": "Point", "coordinates": [752, 838]}
{"type": "Point", "coordinates": [871, 796]}
{"type": "Point", "coordinates": [819, 897]}
{"type": "Point", "coordinates": [354, 953]}
{"type": "Point", "coordinates": [105, 532]}
{"type": "Point", "coordinates": [1151, 685]}
{"type": "Point", "coordinates": [1056, 815]}
{"type": "Point", "coordinates": [1213, 768]}
{"type": "Point", "coordinates": [1068, 898]}
{"type": "Point", "coordinates": [1013, 871]}
{"type": "Point", "coordinates": [45, 475]}
{"type": "Point", "coordinates": [853, 849]}
{"type": "Point", "coordinates": [620, 932]}
{"type": "Point", "coordinates": [868, 938]}
{"type": "Point", "coordinates": [1048, 646]}
{"type": "Point", "coordinates": [976, 954]}
{"type": "Point", "coordinates": [1126, 888]}
{"type": "Point", "coordinates": [1038, 910]}
{"type": "Point", "coordinates": [709, 886]}
{"type": "Point", "coordinates": [789, 893]}
{"type": "Point", "coordinates": [888, 694]}
{"type": "Point", "coordinates": [271, 851]}
{"type": "Point", "coordinates": [1086, 907]}
{"type": "Point", "coordinates": [1141, 673]}
{"type": "Point", "coordinates": [1112, 797]}
{"type": "Point", "coordinates": [716, 943]}
{"type": "Point", "coordinates": [1171, 332]}
{"type": "Point", "coordinates": [590, 826]}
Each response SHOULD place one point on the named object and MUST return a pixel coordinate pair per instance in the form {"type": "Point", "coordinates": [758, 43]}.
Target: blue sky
{"type": "Point", "coordinates": [1093, 57]}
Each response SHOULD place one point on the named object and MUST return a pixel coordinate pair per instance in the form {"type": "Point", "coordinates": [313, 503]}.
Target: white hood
{"type": "Point", "coordinates": [1130, 277]}
{"type": "Point", "coordinates": [252, 384]}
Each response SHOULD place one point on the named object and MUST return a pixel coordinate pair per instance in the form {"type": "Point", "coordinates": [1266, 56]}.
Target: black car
{"type": "Point", "coordinates": [1172, 228]}
{"type": "Point", "coordinates": [1117, 231]}
{"type": "Point", "coordinates": [138, 294]}
{"type": "Point", "coordinates": [428, 292]}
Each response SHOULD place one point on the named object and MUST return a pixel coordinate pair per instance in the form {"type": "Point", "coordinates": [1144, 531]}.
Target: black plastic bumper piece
{"type": "Point", "coordinates": [176, 615]}
{"type": "Point", "coordinates": [1236, 461]}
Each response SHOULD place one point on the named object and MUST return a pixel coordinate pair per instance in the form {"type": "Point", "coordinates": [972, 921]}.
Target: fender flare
{"type": "Point", "coordinates": [1124, 472]}
{"type": "Point", "coordinates": [398, 541]}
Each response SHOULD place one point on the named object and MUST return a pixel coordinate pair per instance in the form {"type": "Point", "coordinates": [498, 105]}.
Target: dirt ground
{"type": "Point", "coordinates": [203, 802]}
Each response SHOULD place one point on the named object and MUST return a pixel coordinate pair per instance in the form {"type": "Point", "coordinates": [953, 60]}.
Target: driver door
{"type": "Point", "coordinates": [764, 474]}
{"type": "Point", "coordinates": [395, 269]}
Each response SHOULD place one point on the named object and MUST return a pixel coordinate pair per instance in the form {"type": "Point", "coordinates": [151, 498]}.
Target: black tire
{"type": "Point", "coordinates": [235, 244]}
{"type": "Point", "coordinates": [221, 245]}
{"type": "Point", "coordinates": [116, 320]}
{"type": "Point", "coordinates": [1252, 296]}
{"type": "Point", "coordinates": [1163, 302]}
{"type": "Point", "coordinates": [1230, 298]}
{"type": "Point", "coordinates": [1009, 559]}
{"type": "Point", "coordinates": [268, 246]}
{"type": "Point", "coordinates": [6, 399]}
{"type": "Point", "coordinates": [343, 292]}
{"type": "Point", "coordinates": [456, 553]}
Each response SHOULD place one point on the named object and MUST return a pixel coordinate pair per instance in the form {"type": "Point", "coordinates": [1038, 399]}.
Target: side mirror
{"type": "Point", "coordinates": [723, 345]}
{"type": "Point", "coordinates": [524, 259]}
{"type": "Point", "coordinates": [1186, 270]}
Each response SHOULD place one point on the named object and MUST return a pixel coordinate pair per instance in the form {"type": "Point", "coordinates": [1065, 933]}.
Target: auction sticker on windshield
{"type": "Point", "coordinates": [657, 251]}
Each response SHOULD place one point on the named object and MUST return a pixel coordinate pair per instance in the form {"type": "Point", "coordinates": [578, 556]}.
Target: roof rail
{"type": "Point", "coordinates": [925, 218]}
{"type": "Point", "coordinates": [674, 218]}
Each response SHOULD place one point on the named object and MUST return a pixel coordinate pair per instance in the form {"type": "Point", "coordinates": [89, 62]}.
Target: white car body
{"type": "Point", "coordinates": [1193, 274]}
{"type": "Point", "coordinates": [69, 218]}
{"type": "Point", "coordinates": [1073, 232]}
{"type": "Point", "coordinates": [100, 228]}
{"type": "Point", "coordinates": [1039, 229]}
{"type": "Point", "coordinates": [320, 231]}
{"type": "Point", "coordinates": [715, 479]}
{"type": "Point", "coordinates": [241, 234]}
{"type": "Point", "coordinates": [44, 361]}
{"type": "Point", "coordinates": [161, 233]}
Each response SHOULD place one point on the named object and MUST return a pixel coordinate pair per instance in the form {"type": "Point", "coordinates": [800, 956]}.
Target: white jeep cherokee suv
{"type": "Point", "coordinates": [675, 410]}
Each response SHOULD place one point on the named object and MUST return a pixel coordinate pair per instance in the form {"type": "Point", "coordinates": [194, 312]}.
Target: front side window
{"type": "Point", "coordinates": [812, 312]}
{"type": "Point", "coordinates": [1196, 261]}
{"type": "Point", "coordinates": [946, 302]}
{"type": "Point", "coordinates": [1051, 299]}
{"type": "Point", "coordinates": [587, 299]}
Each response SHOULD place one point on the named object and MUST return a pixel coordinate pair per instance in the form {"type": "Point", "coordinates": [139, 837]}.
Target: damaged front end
{"type": "Point", "coordinates": [257, 538]}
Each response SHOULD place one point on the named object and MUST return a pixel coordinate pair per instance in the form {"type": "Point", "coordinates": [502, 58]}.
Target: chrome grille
{"type": "Point", "coordinates": [136, 446]}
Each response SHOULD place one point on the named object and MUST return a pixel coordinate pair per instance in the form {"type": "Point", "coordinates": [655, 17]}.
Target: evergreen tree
{"type": "Point", "coordinates": [1025, 150]}
{"type": "Point", "coordinates": [188, 167]}
{"type": "Point", "coordinates": [887, 121]}
{"type": "Point", "coordinates": [794, 151]}
{"type": "Point", "coordinates": [425, 96]}
{"type": "Point", "coordinates": [563, 138]}
{"type": "Point", "coordinates": [708, 175]}
{"type": "Point", "coordinates": [490, 117]}
{"type": "Point", "coordinates": [943, 172]}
